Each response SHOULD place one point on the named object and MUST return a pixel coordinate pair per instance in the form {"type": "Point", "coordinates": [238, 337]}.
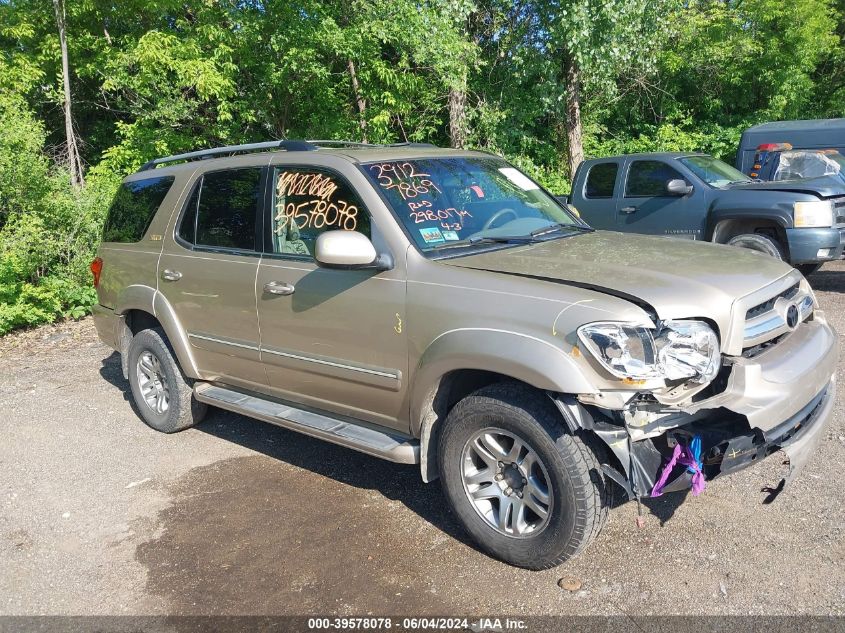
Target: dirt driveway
{"type": "Point", "coordinates": [101, 515]}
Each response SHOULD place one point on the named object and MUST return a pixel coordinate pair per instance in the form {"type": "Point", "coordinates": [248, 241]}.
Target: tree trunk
{"type": "Point", "coordinates": [574, 132]}
{"type": "Point", "coordinates": [73, 158]}
{"type": "Point", "coordinates": [359, 100]}
{"type": "Point", "coordinates": [458, 116]}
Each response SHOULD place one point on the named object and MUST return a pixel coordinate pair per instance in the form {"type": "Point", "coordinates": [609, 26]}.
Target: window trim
{"type": "Point", "coordinates": [625, 193]}
{"type": "Point", "coordinates": [259, 215]}
{"type": "Point", "coordinates": [267, 240]}
{"type": "Point", "coordinates": [615, 180]}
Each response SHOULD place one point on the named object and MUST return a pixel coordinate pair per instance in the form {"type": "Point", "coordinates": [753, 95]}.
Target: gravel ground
{"type": "Point", "coordinates": [101, 515]}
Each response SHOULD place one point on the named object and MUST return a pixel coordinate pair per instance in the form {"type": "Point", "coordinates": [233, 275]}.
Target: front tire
{"type": "Point", "coordinates": [528, 491]}
{"type": "Point", "coordinates": [162, 393]}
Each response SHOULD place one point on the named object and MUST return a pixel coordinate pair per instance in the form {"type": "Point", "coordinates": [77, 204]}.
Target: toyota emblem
{"type": "Point", "coordinates": [792, 316]}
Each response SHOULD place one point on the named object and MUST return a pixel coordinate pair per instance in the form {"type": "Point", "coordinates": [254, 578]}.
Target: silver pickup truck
{"type": "Point", "coordinates": [438, 307]}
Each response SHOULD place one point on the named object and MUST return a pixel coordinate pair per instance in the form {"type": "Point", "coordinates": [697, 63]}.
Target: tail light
{"type": "Point", "coordinates": [96, 269]}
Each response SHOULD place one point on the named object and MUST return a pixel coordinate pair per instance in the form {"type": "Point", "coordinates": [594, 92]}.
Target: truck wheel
{"type": "Point", "coordinates": [808, 269]}
{"type": "Point", "coordinates": [528, 491]}
{"type": "Point", "coordinates": [759, 243]}
{"type": "Point", "coordinates": [162, 394]}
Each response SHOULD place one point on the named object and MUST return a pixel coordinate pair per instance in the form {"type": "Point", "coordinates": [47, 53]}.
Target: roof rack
{"type": "Point", "coordinates": [331, 143]}
{"type": "Point", "coordinates": [290, 146]}
{"type": "Point", "coordinates": [229, 150]}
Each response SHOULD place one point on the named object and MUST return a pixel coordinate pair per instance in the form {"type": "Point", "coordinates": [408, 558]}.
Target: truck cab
{"type": "Point", "coordinates": [695, 196]}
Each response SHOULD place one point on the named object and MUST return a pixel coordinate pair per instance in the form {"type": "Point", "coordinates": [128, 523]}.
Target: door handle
{"type": "Point", "coordinates": [627, 210]}
{"type": "Point", "coordinates": [279, 288]}
{"type": "Point", "coordinates": [171, 275]}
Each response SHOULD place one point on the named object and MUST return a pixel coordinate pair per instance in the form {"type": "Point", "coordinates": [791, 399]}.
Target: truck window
{"type": "Point", "coordinates": [601, 180]}
{"type": "Point", "coordinates": [133, 209]}
{"type": "Point", "coordinates": [222, 210]}
{"type": "Point", "coordinates": [647, 178]}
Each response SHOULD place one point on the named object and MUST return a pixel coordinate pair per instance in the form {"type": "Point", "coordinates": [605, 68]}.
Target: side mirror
{"type": "Point", "coordinates": [348, 249]}
{"type": "Point", "coordinates": [678, 187]}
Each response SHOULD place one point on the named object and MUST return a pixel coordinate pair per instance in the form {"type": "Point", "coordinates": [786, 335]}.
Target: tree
{"type": "Point", "coordinates": [596, 42]}
{"type": "Point", "coordinates": [73, 159]}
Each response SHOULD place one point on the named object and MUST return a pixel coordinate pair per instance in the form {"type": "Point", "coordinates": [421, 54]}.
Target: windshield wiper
{"type": "Point", "coordinates": [559, 227]}
{"type": "Point", "coordinates": [505, 239]}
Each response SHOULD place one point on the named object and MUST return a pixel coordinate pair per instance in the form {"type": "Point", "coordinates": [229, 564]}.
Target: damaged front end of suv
{"type": "Point", "coordinates": [722, 405]}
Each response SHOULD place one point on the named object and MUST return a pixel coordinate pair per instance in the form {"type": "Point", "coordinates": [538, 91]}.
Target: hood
{"type": "Point", "coordinates": [677, 278]}
{"type": "Point", "coordinates": [823, 186]}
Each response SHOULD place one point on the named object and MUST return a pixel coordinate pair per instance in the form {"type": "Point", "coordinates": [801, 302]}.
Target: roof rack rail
{"type": "Point", "coordinates": [229, 150]}
{"type": "Point", "coordinates": [331, 143]}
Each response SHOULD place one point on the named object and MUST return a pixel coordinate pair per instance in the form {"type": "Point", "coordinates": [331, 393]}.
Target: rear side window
{"type": "Point", "coordinates": [601, 180]}
{"type": "Point", "coordinates": [648, 178]}
{"type": "Point", "coordinates": [133, 209]}
{"type": "Point", "coordinates": [222, 210]}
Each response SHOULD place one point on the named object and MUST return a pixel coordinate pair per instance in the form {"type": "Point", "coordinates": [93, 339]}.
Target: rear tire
{"type": "Point", "coordinates": [758, 243]}
{"type": "Point", "coordinates": [163, 395]}
{"type": "Point", "coordinates": [578, 497]}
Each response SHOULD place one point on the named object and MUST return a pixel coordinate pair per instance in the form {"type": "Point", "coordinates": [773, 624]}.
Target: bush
{"type": "Point", "coordinates": [48, 230]}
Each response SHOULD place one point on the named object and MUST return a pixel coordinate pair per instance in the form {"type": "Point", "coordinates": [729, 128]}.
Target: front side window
{"type": "Point", "coordinates": [308, 202]}
{"type": "Point", "coordinates": [601, 180]}
{"type": "Point", "coordinates": [648, 178]}
{"type": "Point", "coordinates": [444, 202]}
{"type": "Point", "coordinates": [134, 207]}
{"type": "Point", "coordinates": [713, 171]}
{"type": "Point", "coordinates": [222, 210]}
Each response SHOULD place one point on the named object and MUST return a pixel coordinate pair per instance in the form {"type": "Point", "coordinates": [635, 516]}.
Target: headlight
{"type": "Point", "coordinates": [678, 350]}
{"type": "Point", "coordinates": [816, 213]}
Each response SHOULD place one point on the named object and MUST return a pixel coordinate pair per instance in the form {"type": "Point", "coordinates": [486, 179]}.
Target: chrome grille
{"type": "Point", "coordinates": [776, 317]}
{"type": "Point", "coordinates": [769, 304]}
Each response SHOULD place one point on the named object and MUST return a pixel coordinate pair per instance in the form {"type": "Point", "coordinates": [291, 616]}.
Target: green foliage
{"type": "Point", "coordinates": [152, 77]}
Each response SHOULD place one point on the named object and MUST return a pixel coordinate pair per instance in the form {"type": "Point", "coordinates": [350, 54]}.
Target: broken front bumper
{"type": "Point", "coordinates": [781, 398]}
{"type": "Point", "coordinates": [724, 452]}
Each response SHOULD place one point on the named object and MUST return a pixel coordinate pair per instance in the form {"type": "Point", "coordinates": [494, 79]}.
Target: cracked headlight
{"type": "Point", "coordinates": [678, 350]}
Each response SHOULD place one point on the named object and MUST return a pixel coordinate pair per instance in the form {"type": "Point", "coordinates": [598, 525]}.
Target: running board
{"type": "Point", "coordinates": [365, 439]}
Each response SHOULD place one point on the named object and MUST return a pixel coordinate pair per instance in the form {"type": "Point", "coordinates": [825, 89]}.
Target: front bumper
{"type": "Point", "coordinates": [724, 453]}
{"type": "Point", "coordinates": [804, 244]}
{"type": "Point", "coordinates": [779, 399]}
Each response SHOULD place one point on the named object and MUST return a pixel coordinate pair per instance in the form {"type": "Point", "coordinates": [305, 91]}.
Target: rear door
{"type": "Point", "coordinates": [646, 207]}
{"type": "Point", "coordinates": [208, 268]}
{"type": "Point", "coordinates": [595, 202]}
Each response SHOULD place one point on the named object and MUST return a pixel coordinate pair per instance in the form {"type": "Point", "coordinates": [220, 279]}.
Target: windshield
{"type": "Point", "coordinates": [808, 164]}
{"type": "Point", "coordinates": [445, 202]}
{"type": "Point", "coordinates": [713, 171]}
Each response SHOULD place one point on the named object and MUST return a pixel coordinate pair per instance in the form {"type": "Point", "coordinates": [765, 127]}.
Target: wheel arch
{"type": "Point", "coordinates": [142, 307]}
{"type": "Point", "coordinates": [723, 225]}
{"type": "Point", "coordinates": [462, 361]}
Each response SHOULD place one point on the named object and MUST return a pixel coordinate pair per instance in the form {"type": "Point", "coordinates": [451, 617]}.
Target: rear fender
{"type": "Point", "coordinates": [149, 300]}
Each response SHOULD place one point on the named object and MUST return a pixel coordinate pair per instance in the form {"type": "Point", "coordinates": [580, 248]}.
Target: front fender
{"type": "Point", "coordinates": [779, 213]}
{"type": "Point", "coordinates": [529, 359]}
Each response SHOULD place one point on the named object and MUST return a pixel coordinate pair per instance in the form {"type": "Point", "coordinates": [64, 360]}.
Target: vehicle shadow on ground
{"type": "Point", "coordinates": [828, 280]}
{"type": "Point", "coordinates": [398, 482]}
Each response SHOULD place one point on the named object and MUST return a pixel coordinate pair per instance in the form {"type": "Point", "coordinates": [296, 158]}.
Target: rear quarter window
{"type": "Point", "coordinates": [134, 207]}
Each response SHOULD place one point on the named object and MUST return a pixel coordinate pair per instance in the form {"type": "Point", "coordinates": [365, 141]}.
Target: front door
{"type": "Point", "coordinates": [331, 339]}
{"type": "Point", "coordinates": [208, 274]}
{"type": "Point", "coordinates": [596, 203]}
{"type": "Point", "coordinates": [646, 207]}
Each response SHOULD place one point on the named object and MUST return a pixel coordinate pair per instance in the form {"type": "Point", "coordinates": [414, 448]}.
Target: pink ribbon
{"type": "Point", "coordinates": [680, 455]}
